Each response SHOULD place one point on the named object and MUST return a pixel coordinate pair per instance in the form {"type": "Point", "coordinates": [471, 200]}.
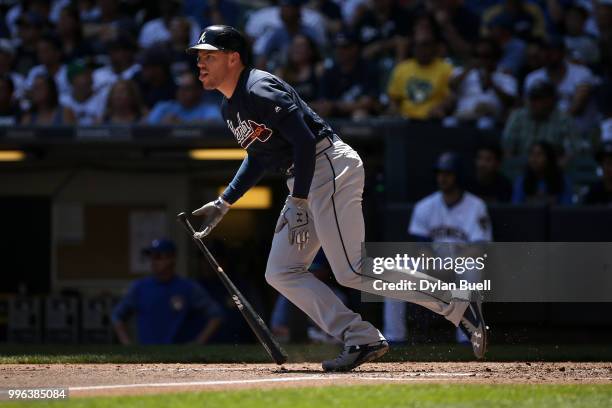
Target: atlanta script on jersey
{"type": "Point", "coordinates": [260, 101]}
{"type": "Point", "coordinates": [247, 131]}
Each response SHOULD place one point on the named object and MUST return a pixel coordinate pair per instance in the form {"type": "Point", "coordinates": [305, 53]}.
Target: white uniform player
{"type": "Point", "coordinates": [465, 220]}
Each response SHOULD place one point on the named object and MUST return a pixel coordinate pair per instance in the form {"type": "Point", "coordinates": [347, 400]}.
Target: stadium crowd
{"type": "Point", "coordinates": [536, 72]}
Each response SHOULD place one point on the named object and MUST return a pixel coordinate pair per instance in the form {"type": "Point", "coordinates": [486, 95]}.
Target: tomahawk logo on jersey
{"type": "Point", "coordinates": [248, 131]}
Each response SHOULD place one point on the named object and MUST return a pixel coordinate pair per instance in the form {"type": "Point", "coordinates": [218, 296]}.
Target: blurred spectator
{"type": "Point", "coordinates": [303, 69]}
{"type": "Point", "coordinates": [352, 9]}
{"type": "Point", "coordinates": [490, 184]}
{"type": "Point", "coordinates": [382, 28]}
{"type": "Point", "coordinates": [603, 26]}
{"type": "Point", "coordinates": [347, 85]}
{"type": "Point", "coordinates": [70, 31]}
{"type": "Point", "coordinates": [189, 106]}
{"type": "Point", "coordinates": [89, 11]}
{"type": "Point", "coordinates": [483, 93]}
{"type": "Point", "coordinates": [261, 22]}
{"type": "Point", "coordinates": [543, 181]}
{"type": "Point", "coordinates": [513, 48]}
{"type": "Point", "coordinates": [419, 87]}
{"type": "Point", "coordinates": [47, 10]}
{"type": "Point", "coordinates": [180, 40]}
{"type": "Point", "coordinates": [270, 50]}
{"type": "Point", "coordinates": [449, 215]}
{"type": "Point", "coordinates": [30, 27]}
{"type": "Point", "coordinates": [600, 193]}
{"type": "Point", "coordinates": [158, 29]}
{"type": "Point", "coordinates": [582, 47]}
{"type": "Point", "coordinates": [540, 120]}
{"type": "Point", "coordinates": [45, 109]}
{"type": "Point", "coordinates": [574, 84]}
{"type": "Point", "coordinates": [526, 18]}
{"type": "Point", "coordinates": [169, 309]}
{"type": "Point", "coordinates": [211, 12]}
{"type": "Point", "coordinates": [534, 59]}
{"type": "Point", "coordinates": [122, 52]}
{"type": "Point", "coordinates": [49, 51]}
{"type": "Point", "coordinates": [458, 25]}
{"type": "Point", "coordinates": [154, 79]}
{"type": "Point", "coordinates": [84, 105]}
{"type": "Point", "coordinates": [111, 23]}
{"type": "Point", "coordinates": [124, 104]}
{"type": "Point", "coordinates": [10, 114]}
{"type": "Point", "coordinates": [7, 58]}
{"type": "Point", "coordinates": [331, 12]}
{"type": "Point", "coordinates": [604, 96]}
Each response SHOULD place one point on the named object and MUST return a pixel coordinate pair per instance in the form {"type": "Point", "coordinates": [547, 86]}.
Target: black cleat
{"type": "Point", "coordinates": [473, 326]}
{"type": "Point", "coordinates": [353, 356]}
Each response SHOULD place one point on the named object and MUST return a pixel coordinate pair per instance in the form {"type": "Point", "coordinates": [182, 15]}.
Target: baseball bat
{"type": "Point", "coordinates": [258, 326]}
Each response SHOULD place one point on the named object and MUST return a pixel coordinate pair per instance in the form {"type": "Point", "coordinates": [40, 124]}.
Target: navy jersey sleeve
{"type": "Point", "coordinates": [304, 150]}
{"type": "Point", "coordinates": [275, 105]}
{"type": "Point", "coordinates": [272, 101]}
{"type": "Point", "coordinates": [249, 174]}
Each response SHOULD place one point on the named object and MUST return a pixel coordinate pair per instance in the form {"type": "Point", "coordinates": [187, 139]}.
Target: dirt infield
{"type": "Point", "coordinates": [131, 379]}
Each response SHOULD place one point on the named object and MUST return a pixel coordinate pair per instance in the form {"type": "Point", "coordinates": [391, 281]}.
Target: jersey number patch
{"type": "Point", "coordinates": [248, 131]}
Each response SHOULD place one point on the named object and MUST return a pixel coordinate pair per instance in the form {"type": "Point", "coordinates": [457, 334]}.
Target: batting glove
{"type": "Point", "coordinates": [295, 216]}
{"type": "Point", "coordinates": [212, 212]}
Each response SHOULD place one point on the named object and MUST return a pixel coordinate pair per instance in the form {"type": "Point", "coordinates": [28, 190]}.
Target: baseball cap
{"type": "Point", "coordinates": [448, 161]}
{"type": "Point", "coordinates": [220, 38]}
{"type": "Point", "coordinates": [160, 246]}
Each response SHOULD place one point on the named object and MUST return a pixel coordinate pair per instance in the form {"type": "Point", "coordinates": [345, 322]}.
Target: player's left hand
{"type": "Point", "coordinates": [295, 216]}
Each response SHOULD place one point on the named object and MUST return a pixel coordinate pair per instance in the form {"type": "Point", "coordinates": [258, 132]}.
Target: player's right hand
{"type": "Point", "coordinates": [295, 216]}
{"type": "Point", "coordinates": [212, 212]}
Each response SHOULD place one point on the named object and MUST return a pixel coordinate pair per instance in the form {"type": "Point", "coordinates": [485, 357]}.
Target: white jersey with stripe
{"type": "Point", "coordinates": [466, 221]}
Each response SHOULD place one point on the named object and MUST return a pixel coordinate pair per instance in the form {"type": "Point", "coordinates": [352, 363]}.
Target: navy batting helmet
{"type": "Point", "coordinates": [448, 161]}
{"type": "Point", "coordinates": [451, 162]}
{"type": "Point", "coordinates": [222, 38]}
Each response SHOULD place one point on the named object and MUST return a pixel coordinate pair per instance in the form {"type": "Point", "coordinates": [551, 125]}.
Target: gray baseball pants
{"type": "Point", "coordinates": [335, 209]}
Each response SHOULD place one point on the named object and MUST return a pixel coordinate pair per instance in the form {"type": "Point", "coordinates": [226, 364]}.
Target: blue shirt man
{"type": "Point", "coordinates": [189, 106]}
{"type": "Point", "coordinates": [169, 309]}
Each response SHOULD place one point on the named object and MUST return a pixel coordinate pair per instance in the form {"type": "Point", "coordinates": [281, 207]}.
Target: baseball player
{"type": "Point", "coordinates": [325, 177]}
{"type": "Point", "coordinates": [449, 215]}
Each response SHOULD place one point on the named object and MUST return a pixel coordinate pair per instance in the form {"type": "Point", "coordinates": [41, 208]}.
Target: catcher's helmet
{"type": "Point", "coordinates": [222, 38]}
